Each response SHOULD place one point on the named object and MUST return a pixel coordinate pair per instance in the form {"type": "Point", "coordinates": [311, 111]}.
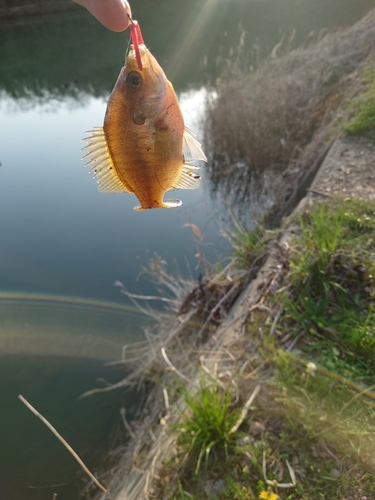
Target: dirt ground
{"type": "Point", "coordinates": [348, 170]}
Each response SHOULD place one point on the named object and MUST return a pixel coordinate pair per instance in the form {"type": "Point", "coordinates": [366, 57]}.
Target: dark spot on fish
{"type": "Point", "coordinates": [133, 80]}
{"type": "Point", "coordinates": [161, 125]}
{"type": "Point", "coordinates": [148, 149]}
{"type": "Point", "coordinates": [139, 119]}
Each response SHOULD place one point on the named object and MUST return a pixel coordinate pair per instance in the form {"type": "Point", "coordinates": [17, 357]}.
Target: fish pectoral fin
{"type": "Point", "coordinates": [192, 148]}
{"type": "Point", "coordinates": [101, 163]}
{"type": "Point", "coordinates": [188, 178]}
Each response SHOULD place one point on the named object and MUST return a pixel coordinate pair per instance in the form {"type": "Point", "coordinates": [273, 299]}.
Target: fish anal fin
{"type": "Point", "coordinates": [188, 179]}
{"type": "Point", "coordinates": [100, 161]}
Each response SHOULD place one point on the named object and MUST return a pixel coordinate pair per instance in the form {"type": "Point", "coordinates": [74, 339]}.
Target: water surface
{"type": "Point", "coordinates": [63, 244]}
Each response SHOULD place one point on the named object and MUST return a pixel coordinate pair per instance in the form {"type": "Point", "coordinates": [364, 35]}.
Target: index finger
{"type": "Point", "coordinates": [113, 14]}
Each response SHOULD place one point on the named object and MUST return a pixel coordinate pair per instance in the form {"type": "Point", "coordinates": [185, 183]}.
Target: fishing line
{"type": "Point", "coordinates": [129, 39]}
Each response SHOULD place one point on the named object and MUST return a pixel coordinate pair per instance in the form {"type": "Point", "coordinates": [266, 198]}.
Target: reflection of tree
{"type": "Point", "coordinates": [71, 54]}
{"type": "Point", "coordinates": [66, 54]}
{"type": "Point", "coordinates": [57, 56]}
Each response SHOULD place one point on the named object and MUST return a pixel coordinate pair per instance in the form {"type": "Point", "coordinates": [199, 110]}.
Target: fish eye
{"type": "Point", "coordinates": [133, 80]}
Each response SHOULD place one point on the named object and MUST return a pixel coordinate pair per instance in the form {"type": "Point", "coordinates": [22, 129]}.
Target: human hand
{"type": "Point", "coordinates": [113, 14]}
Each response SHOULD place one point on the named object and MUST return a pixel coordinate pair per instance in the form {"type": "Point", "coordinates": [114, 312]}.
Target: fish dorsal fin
{"type": "Point", "coordinates": [192, 148]}
{"type": "Point", "coordinates": [101, 163]}
{"type": "Point", "coordinates": [188, 178]}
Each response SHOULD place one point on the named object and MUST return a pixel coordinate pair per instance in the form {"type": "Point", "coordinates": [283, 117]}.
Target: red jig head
{"type": "Point", "coordinates": [137, 40]}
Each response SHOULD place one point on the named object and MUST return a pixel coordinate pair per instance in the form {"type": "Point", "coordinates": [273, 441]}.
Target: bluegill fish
{"type": "Point", "coordinates": [143, 147]}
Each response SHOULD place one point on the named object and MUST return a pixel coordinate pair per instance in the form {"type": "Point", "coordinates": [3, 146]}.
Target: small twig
{"type": "Point", "coordinates": [145, 297]}
{"type": "Point", "coordinates": [259, 367]}
{"type": "Point", "coordinates": [294, 341]}
{"type": "Point", "coordinates": [245, 410]}
{"type": "Point", "coordinates": [167, 416]}
{"type": "Point", "coordinates": [348, 403]}
{"type": "Point", "coordinates": [152, 435]}
{"type": "Point", "coordinates": [123, 352]}
{"type": "Point", "coordinates": [125, 422]}
{"type": "Point", "coordinates": [173, 368]}
{"type": "Point", "coordinates": [275, 321]}
{"type": "Point", "coordinates": [310, 190]}
{"type": "Point", "coordinates": [150, 474]}
{"type": "Point", "coordinates": [282, 289]}
{"type": "Point", "coordinates": [166, 400]}
{"type": "Point", "coordinates": [274, 482]}
{"type": "Point", "coordinates": [213, 376]}
{"type": "Point", "coordinates": [330, 453]}
{"type": "Point", "coordinates": [67, 446]}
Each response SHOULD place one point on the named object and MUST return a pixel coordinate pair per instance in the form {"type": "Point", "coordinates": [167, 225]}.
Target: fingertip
{"type": "Point", "coordinates": [113, 14]}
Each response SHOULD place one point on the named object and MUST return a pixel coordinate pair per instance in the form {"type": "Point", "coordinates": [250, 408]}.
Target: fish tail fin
{"type": "Point", "coordinates": [165, 204]}
{"type": "Point", "coordinates": [171, 203]}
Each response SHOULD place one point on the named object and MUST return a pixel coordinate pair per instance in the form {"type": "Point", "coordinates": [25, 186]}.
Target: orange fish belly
{"type": "Point", "coordinates": [148, 158]}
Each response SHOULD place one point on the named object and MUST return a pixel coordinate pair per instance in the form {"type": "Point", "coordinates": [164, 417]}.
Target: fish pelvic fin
{"type": "Point", "coordinates": [166, 204]}
{"type": "Point", "coordinates": [191, 147]}
{"type": "Point", "coordinates": [100, 161]}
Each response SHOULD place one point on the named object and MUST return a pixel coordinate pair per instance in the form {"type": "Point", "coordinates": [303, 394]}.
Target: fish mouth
{"type": "Point", "coordinates": [137, 56]}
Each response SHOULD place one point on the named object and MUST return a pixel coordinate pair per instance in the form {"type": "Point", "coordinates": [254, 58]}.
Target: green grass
{"type": "Point", "coordinates": [317, 409]}
{"type": "Point", "coordinates": [181, 494]}
{"type": "Point", "coordinates": [247, 244]}
{"type": "Point", "coordinates": [329, 408]}
{"type": "Point", "coordinates": [208, 422]}
{"type": "Point", "coordinates": [332, 294]}
{"type": "Point", "coordinates": [362, 108]}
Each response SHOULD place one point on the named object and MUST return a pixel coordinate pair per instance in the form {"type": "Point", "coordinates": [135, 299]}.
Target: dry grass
{"type": "Point", "coordinates": [171, 353]}
{"type": "Point", "coordinates": [261, 123]}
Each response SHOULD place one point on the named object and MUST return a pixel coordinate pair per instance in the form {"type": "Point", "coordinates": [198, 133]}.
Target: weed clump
{"type": "Point", "coordinates": [362, 108]}
{"type": "Point", "coordinates": [259, 124]}
{"type": "Point", "coordinates": [208, 423]}
{"type": "Point", "coordinates": [333, 287]}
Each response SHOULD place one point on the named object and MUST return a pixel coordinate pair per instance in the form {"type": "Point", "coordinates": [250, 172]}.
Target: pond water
{"type": "Point", "coordinates": [63, 244]}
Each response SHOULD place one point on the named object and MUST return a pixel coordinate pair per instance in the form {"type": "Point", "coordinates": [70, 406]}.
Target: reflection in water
{"type": "Point", "coordinates": [31, 458]}
{"type": "Point", "coordinates": [52, 351]}
{"type": "Point", "coordinates": [59, 326]}
{"type": "Point", "coordinates": [71, 54]}
{"type": "Point", "coordinates": [59, 234]}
